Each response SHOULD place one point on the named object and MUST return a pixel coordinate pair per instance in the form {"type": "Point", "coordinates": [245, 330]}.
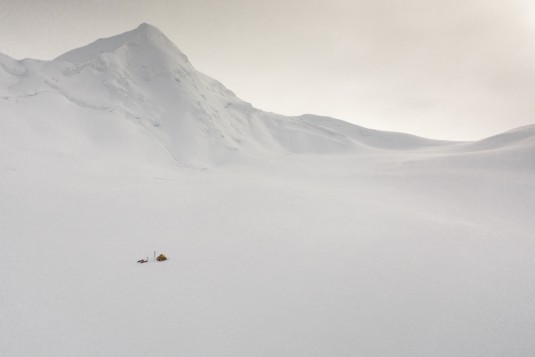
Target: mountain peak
{"type": "Point", "coordinates": [144, 32]}
{"type": "Point", "coordinates": [145, 37]}
{"type": "Point", "coordinates": [147, 28]}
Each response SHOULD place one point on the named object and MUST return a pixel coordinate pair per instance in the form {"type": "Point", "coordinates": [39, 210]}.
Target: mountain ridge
{"type": "Point", "coordinates": [142, 78]}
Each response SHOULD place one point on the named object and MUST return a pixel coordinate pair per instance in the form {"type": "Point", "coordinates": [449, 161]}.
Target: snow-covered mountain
{"type": "Point", "coordinates": [138, 90]}
{"type": "Point", "coordinates": [306, 236]}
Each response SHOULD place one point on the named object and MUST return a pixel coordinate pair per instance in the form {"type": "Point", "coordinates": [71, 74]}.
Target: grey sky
{"type": "Point", "coordinates": [446, 69]}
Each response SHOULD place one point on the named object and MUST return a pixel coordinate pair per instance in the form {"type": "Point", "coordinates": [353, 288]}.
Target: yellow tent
{"type": "Point", "coordinates": [161, 258]}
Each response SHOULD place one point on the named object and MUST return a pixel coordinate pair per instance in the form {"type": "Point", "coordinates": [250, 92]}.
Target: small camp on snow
{"type": "Point", "coordinates": [161, 258]}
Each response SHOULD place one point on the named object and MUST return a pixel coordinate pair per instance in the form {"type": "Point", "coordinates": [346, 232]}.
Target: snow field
{"type": "Point", "coordinates": [302, 236]}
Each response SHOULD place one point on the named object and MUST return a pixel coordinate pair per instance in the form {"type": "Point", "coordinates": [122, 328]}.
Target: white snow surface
{"type": "Point", "coordinates": [286, 236]}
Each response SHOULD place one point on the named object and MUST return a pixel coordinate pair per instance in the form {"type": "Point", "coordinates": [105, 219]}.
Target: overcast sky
{"type": "Point", "coordinates": [449, 69]}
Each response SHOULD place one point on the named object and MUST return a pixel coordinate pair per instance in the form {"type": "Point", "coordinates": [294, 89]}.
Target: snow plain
{"type": "Point", "coordinates": [303, 236]}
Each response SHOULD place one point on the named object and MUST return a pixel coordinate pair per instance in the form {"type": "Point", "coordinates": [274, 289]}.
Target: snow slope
{"type": "Point", "coordinates": [302, 236]}
{"type": "Point", "coordinates": [141, 81]}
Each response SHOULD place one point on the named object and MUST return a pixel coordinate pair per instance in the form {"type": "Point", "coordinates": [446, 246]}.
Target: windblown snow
{"type": "Point", "coordinates": [286, 236]}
